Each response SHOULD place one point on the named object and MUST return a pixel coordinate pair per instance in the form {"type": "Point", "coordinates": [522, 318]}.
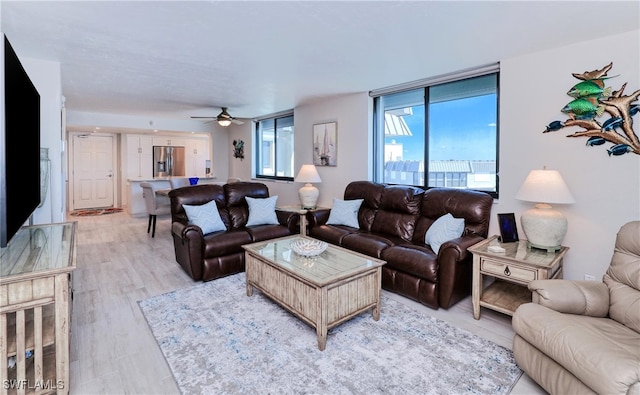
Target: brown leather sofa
{"type": "Point", "coordinates": [583, 337]}
{"type": "Point", "coordinates": [393, 222]}
{"type": "Point", "coordinates": [218, 254]}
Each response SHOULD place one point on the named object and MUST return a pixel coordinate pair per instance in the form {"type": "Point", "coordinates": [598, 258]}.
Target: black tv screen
{"type": "Point", "coordinates": [20, 169]}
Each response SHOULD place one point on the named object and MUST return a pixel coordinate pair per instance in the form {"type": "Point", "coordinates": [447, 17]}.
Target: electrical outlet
{"type": "Point", "coordinates": [589, 277]}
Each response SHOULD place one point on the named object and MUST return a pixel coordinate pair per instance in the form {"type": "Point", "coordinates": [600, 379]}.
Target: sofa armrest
{"type": "Point", "coordinates": [454, 269]}
{"type": "Point", "coordinates": [589, 298]}
{"type": "Point", "coordinates": [188, 242]}
{"type": "Point", "coordinates": [289, 219]}
{"type": "Point", "coordinates": [457, 248]}
{"type": "Point", "coordinates": [317, 217]}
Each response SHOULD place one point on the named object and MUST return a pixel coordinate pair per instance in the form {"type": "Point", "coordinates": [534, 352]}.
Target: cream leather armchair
{"type": "Point", "coordinates": [580, 337]}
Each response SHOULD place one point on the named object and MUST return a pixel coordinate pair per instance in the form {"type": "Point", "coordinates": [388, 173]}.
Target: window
{"type": "Point", "coordinates": [274, 153]}
{"type": "Point", "coordinates": [450, 126]}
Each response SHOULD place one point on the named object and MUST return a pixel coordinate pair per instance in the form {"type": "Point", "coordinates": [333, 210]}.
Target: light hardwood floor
{"type": "Point", "coordinates": [118, 264]}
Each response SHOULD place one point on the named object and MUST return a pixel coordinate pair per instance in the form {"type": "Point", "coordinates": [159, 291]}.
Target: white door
{"type": "Point", "coordinates": [92, 171]}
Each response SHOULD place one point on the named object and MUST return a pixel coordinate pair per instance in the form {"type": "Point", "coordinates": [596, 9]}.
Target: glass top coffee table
{"type": "Point", "coordinates": [322, 291]}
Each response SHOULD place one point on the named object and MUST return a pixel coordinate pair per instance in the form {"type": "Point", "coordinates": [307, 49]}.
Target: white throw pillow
{"type": "Point", "coordinates": [262, 211]}
{"type": "Point", "coordinates": [444, 229]}
{"type": "Point", "coordinates": [206, 216]}
{"type": "Point", "coordinates": [345, 212]}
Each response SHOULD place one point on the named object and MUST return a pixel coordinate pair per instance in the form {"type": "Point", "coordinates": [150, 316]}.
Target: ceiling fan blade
{"type": "Point", "coordinates": [237, 121]}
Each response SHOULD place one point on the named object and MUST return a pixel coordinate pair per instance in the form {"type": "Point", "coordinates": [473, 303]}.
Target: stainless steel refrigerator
{"type": "Point", "coordinates": [168, 161]}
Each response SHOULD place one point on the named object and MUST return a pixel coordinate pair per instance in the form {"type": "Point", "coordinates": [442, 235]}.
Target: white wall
{"type": "Point", "coordinates": [532, 91]}
{"type": "Point", "coordinates": [606, 189]}
{"type": "Point", "coordinates": [45, 75]}
{"type": "Point", "coordinates": [354, 116]}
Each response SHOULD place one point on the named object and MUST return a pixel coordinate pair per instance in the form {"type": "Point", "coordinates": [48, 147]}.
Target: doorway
{"type": "Point", "coordinates": [92, 169]}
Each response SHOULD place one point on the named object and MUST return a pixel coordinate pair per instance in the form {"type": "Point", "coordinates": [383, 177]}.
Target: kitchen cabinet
{"type": "Point", "coordinates": [139, 156]}
{"type": "Point", "coordinates": [196, 155]}
{"type": "Point", "coordinates": [169, 141]}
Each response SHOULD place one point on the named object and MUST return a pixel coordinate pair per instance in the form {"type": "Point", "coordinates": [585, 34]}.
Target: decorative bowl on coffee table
{"type": "Point", "coordinates": [308, 247]}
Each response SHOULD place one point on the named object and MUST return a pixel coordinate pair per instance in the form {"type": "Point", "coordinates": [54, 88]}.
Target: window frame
{"type": "Point", "coordinates": [378, 122]}
{"type": "Point", "coordinates": [257, 168]}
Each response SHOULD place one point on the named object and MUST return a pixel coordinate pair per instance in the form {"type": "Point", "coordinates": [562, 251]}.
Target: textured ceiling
{"type": "Point", "coordinates": [177, 59]}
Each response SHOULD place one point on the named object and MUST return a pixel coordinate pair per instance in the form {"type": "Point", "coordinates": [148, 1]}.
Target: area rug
{"type": "Point", "coordinates": [95, 211]}
{"type": "Point", "coordinates": [217, 340]}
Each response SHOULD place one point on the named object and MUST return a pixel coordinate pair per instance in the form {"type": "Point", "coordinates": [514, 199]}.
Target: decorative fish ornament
{"type": "Point", "coordinates": [590, 88]}
{"type": "Point", "coordinates": [554, 126]}
{"type": "Point", "coordinates": [612, 123]}
{"type": "Point", "coordinates": [584, 108]}
{"type": "Point", "coordinates": [619, 149]}
{"type": "Point", "coordinates": [595, 141]}
{"type": "Point", "coordinates": [589, 75]}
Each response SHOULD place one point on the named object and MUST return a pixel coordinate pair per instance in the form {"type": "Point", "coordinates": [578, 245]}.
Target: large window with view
{"type": "Point", "coordinates": [274, 148]}
{"type": "Point", "coordinates": [448, 131]}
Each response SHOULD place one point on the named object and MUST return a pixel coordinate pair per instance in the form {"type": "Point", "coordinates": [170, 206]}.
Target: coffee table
{"type": "Point", "coordinates": [323, 291]}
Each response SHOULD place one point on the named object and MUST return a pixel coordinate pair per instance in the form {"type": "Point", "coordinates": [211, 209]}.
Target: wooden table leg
{"type": "Point", "coordinates": [476, 287]}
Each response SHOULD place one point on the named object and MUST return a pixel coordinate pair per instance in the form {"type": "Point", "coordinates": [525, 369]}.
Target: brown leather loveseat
{"type": "Point", "coordinates": [393, 222]}
{"type": "Point", "coordinates": [217, 254]}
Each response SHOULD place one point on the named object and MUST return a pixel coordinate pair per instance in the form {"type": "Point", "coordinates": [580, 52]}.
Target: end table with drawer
{"type": "Point", "coordinates": [511, 270]}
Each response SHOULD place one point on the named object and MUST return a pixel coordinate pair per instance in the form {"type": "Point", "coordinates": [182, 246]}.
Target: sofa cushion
{"type": "Point", "coordinates": [443, 229]}
{"type": "Point", "coordinates": [398, 210]}
{"type": "Point", "coordinates": [266, 232]}
{"type": "Point", "coordinates": [197, 195]}
{"type": "Point", "coordinates": [600, 352]}
{"type": "Point", "coordinates": [623, 277]}
{"type": "Point", "coordinates": [345, 212]}
{"type": "Point", "coordinates": [419, 261]}
{"type": "Point", "coordinates": [225, 243]}
{"type": "Point", "coordinates": [369, 243]}
{"type": "Point", "coordinates": [206, 216]}
{"type": "Point", "coordinates": [262, 211]}
{"type": "Point", "coordinates": [331, 233]}
{"type": "Point", "coordinates": [473, 206]}
{"type": "Point", "coordinates": [237, 204]}
{"type": "Point", "coordinates": [371, 192]}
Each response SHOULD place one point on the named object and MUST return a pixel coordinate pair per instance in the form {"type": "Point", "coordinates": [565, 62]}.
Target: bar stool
{"type": "Point", "coordinates": [156, 205]}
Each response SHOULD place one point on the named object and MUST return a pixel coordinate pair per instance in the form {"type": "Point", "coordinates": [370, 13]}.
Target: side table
{"type": "Point", "coordinates": [296, 208]}
{"type": "Point", "coordinates": [512, 271]}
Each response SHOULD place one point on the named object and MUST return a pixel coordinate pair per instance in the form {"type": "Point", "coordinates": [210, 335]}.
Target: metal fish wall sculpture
{"type": "Point", "coordinates": [591, 99]}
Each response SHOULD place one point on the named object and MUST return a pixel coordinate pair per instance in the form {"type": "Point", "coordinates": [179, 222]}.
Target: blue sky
{"type": "Point", "coordinates": [460, 129]}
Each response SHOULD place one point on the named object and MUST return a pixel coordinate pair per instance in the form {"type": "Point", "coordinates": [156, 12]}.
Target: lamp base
{"type": "Point", "coordinates": [531, 245]}
{"type": "Point", "coordinates": [544, 227]}
{"type": "Point", "coordinates": [308, 196]}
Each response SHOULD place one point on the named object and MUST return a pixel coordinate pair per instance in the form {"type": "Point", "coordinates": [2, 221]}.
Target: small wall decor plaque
{"type": "Point", "coordinates": [325, 144]}
{"type": "Point", "coordinates": [591, 99]}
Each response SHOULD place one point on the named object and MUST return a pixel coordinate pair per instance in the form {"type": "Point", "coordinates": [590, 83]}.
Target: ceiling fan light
{"type": "Point", "coordinates": [224, 122]}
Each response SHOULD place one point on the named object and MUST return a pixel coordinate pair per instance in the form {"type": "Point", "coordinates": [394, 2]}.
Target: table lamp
{"type": "Point", "coordinates": [544, 226]}
{"type": "Point", "coordinates": [308, 193]}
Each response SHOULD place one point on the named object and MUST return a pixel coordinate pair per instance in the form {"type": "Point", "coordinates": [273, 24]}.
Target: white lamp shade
{"type": "Point", "coordinates": [545, 186]}
{"type": "Point", "coordinates": [224, 122]}
{"type": "Point", "coordinates": [308, 174]}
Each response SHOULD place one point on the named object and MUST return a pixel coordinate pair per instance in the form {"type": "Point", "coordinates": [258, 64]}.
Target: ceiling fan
{"type": "Point", "coordinates": [224, 119]}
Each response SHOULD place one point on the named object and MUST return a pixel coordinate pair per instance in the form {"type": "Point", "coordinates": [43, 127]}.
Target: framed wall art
{"type": "Point", "coordinates": [325, 144]}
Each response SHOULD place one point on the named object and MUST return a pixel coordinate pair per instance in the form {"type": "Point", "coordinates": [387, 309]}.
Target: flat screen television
{"type": "Point", "coordinates": [19, 147]}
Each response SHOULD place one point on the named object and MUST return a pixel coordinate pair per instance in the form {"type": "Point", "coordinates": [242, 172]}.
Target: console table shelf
{"type": "Point", "coordinates": [35, 309]}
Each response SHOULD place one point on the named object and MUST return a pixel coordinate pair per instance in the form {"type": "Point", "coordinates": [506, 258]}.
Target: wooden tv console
{"type": "Point", "coordinates": [35, 309]}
